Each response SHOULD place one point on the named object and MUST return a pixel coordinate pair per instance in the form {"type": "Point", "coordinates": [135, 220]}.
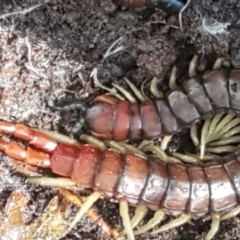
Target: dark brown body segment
{"type": "Point", "coordinates": [100, 119]}
{"type": "Point", "coordinates": [169, 122]}
{"type": "Point", "coordinates": [133, 178]}
{"type": "Point", "coordinates": [200, 194]}
{"type": "Point", "coordinates": [234, 89]}
{"type": "Point", "coordinates": [223, 196]}
{"type": "Point", "coordinates": [216, 85]}
{"type": "Point", "coordinates": [135, 131]}
{"type": "Point", "coordinates": [108, 173]}
{"type": "Point", "coordinates": [178, 192]}
{"type": "Point", "coordinates": [64, 165]}
{"type": "Point", "coordinates": [173, 187]}
{"type": "Point", "coordinates": [151, 122]}
{"type": "Point", "coordinates": [233, 170]}
{"type": "Point", "coordinates": [197, 94]}
{"type": "Point", "coordinates": [85, 166]}
{"type": "Point", "coordinates": [182, 108]}
{"type": "Point", "coordinates": [121, 121]}
{"type": "Point", "coordinates": [156, 185]}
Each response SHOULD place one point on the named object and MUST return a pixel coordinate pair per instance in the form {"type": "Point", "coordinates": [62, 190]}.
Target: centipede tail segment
{"type": "Point", "coordinates": [177, 189]}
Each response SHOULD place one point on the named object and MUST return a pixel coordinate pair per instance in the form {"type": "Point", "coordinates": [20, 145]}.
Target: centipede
{"type": "Point", "coordinates": [200, 97]}
{"type": "Point", "coordinates": [185, 191]}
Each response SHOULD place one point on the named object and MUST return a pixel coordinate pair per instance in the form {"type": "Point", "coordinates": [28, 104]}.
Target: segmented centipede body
{"type": "Point", "coordinates": [199, 97]}
{"type": "Point", "coordinates": [130, 178]}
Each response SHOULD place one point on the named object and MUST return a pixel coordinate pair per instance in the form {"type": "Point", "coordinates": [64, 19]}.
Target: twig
{"type": "Point", "coordinates": [30, 65]}
{"type": "Point", "coordinates": [109, 52]}
{"type": "Point", "coordinates": [25, 11]}
{"type": "Point", "coordinates": [97, 83]}
{"type": "Point", "coordinates": [162, 22]}
{"type": "Point", "coordinates": [215, 27]}
{"type": "Point", "coordinates": [181, 12]}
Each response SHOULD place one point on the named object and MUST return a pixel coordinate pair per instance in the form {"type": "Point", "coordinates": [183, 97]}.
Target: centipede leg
{"type": "Point", "coordinates": [90, 200]}
{"type": "Point", "coordinates": [214, 226]}
{"type": "Point", "coordinates": [218, 132]}
{"type": "Point", "coordinates": [233, 213]}
{"type": "Point", "coordinates": [173, 78]}
{"type": "Point", "coordinates": [161, 154]}
{"type": "Point", "coordinates": [218, 63]}
{"type": "Point", "coordinates": [153, 222]}
{"type": "Point", "coordinates": [154, 90]}
{"type": "Point", "coordinates": [132, 149]}
{"type": "Point", "coordinates": [183, 218]}
{"type": "Point", "coordinates": [107, 230]}
{"type": "Point", "coordinates": [137, 93]}
{"type": "Point", "coordinates": [194, 137]}
{"type": "Point", "coordinates": [140, 213]}
{"type": "Point", "coordinates": [94, 141]}
{"type": "Point", "coordinates": [165, 142]}
{"type": "Point", "coordinates": [192, 66]}
{"type": "Point", "coordinates": [124, 213]}
{"type": "Point", "coordinates": [125, 93]}
{"type": "Point", "coordinates": [116, 146]}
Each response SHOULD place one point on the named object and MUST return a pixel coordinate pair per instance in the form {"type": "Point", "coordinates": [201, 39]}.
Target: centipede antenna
{"type": "Point", "coordinates": [138, 94]}
{"type": "Point", "coordinates": [214, 226]}
{"type": "Point", "coordinates": [154, 90]}
{"type": "Point", "coordinates": [173, 78]}
{"type": "Point", "coordinates": [192, 66]}
{"type": "Point", "coordinates": [74, 105]}
{"type": "Point", "coordinates": [77, 127]}
{"type": "Point", "coordinates": [124, 213]}
{"type": "Point", "coordinates": [90, 200]}
{"type": "Point", "coordinates": [233, 213]}
{"type": "Point", "coordinates": [181, 12]}
{"type": "Point", "coordinates": [184, 218]}
{"type": "Point", "coordinates": [125, 93]}
{"type": "Point", "coordinates": [153, 222]}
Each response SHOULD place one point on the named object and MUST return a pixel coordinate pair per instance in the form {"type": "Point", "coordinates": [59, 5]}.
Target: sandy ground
{"type": "Point", "coordinates": [49, 50]}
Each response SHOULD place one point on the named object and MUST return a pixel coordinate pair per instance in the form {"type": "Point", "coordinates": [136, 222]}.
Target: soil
{"type": "Point", "coordinates": [50, 52]}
